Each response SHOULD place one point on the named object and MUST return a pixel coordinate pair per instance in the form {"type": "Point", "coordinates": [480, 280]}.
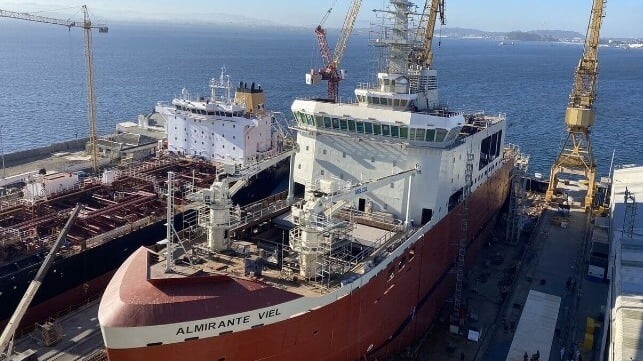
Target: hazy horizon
{"type": "Point", "coordinates": [500, 16]}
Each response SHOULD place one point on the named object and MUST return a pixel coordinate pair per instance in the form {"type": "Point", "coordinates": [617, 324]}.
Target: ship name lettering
{"type": "Point", "coordinates": [361, 190]}
{"type": "Point", "coordinates": [269, 313]}
{"type": "Point", "coordinates": [203, 327]}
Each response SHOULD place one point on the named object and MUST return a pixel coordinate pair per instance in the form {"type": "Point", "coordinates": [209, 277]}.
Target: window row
{"type": "Point", "coordinates": [203, 112]}
{"type": "Point", "coordinates": [382, 101]}
{"type": "Point", "coordinates": [362, 127]}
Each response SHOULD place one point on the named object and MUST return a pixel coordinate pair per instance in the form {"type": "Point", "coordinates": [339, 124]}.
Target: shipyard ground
{"type": "Point", "coordinates": [552, 259]}
{"type": "Point", "coordinates": [80, 339]}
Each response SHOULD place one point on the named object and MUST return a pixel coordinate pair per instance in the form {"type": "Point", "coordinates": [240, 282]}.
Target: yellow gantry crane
{"type": "Point", "coordinates": [87, 26]}
{"type": "Point", "coordinates": [576, 156]}
{"type": "Point", "coordinates": [331, 60]}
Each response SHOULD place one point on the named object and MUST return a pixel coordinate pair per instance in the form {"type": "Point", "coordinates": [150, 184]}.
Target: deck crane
{"type": "Point", "coordinates": [432, 9]}
{"type": "Point", "coordinates": [87, 26]}
{"type": "Point", "coordinates": [6, 339]}
{"type": "Point", "coordinates": [331, 60]}
{"type": "Point", "coordinates": [576, 156]}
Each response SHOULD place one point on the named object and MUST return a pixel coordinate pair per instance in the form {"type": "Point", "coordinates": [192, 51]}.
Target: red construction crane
{"type": "Point", "coordinates": [91, 95]}
{"type": "Point", "coordinates": [331, 59]}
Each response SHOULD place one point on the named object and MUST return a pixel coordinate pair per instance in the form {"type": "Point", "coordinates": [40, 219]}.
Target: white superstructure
{"type": "Point", "coordinates": [625, 296]}
{"type": "Point", "coordinates": [219, 128]}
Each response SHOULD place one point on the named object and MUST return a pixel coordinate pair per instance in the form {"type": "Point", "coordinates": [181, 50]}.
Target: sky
{"type": "Point", "coordinates": [623, 17]}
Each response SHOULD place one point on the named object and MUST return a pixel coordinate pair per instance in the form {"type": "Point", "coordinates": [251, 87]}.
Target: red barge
{"type": "Point", "coordinates": [359, 267]}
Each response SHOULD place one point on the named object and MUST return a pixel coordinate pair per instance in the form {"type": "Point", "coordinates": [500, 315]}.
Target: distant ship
{"type": "Point", "coordinates": [124, 209]}
{"type": "Point", "coordinates": [360, 266]}
{"type": "Point", "coordinates": [503, 43]}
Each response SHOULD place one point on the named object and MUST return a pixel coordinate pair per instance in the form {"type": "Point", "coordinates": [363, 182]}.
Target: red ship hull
{"type": "Point", "coordinates": [377, 320]}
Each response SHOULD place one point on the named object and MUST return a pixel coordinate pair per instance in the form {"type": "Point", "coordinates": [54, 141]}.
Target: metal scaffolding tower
{"type": "Point", "coordinates": [464, 239]}
{"type": "Point", "coordinates": [516, 198]}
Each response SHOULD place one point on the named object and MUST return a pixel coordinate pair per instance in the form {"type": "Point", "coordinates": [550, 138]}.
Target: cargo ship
{"type": "Point", "coordinates": [124, 208]}
{"type": "Point", "coordinates": [356, 269]}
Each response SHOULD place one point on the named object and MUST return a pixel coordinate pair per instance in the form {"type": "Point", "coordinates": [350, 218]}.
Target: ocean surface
{"type": "Point", "coordinates": [43, 94]}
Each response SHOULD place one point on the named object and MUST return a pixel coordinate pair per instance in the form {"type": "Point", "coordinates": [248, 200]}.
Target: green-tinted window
{"type": "Point", "coordinates": [430, 135]}
{"type": "Point", "coordinates": [404, 132]}
{"type": "Point", "coordinates": [300, 117]}
{"type": "Point", "coordinates": [376, 100]}
{"type": "Point", "coordinates": [412, 134]}
{"type": "Point", "coordinates": [395, 131]}
{"type": "Point", "coordinates": [396, 102]}
{"type": "Point", "coordinates": [351, 125]}
{"type": "Point", "coordinates": [318, 119]}
{"type": "Point", "coordinates": [440, 134]}
{"type": "Point", "coordinates": [319, 122]}
{"type": "Point", "coordinates": [377, 129]}
{"type": "Point", "coordinates": [369, 99]}
{"type": "Point", "coordinates": [386, 130]}
{"type": "Point", "coordinates": [327, 123]}
{"type": "Point", "coordinates": [419, 134]}
{"type": "Point", "coordinates": [359, 126]}
{"type": "Point", "coordinates": [368, 128]}
{"type": "Point", "coordinates": [343, 124]}
{"type": "Point", "coordinates": [335, 123]}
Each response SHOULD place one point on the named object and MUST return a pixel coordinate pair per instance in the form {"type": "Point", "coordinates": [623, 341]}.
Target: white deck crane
{"type": "Point", "coordinates": [6, 339]}
{"type": "Point", "coordinates": [218, 198]}
{"type": "Point", "coordinates": [576, 156]}
{"type": "Point", "coordinates": [87, 26]}
{"type": "Point", "coordinates": [312, 216]}
{"type": "Point", "coordinates": [331, 60]}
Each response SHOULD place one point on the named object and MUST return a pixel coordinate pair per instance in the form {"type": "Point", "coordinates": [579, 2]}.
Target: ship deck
{"type": "Point", "coordinates": [368, 236]}
{"type": "Point", "coordinates": [129, 202]}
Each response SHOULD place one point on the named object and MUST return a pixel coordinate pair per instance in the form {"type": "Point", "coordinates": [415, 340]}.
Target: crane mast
{"type": "Point", "coordinates": [432, 9]}
{"type": "Point", "coordinates": [576, 156]}
{"type": "Point", "coordinates": [87, 26]}
{"type": "Point", "coordinates": [331, 59]}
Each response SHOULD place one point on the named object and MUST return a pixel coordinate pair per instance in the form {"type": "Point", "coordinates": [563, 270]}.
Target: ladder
{"type": "Point", "coordinates": [464, 238]}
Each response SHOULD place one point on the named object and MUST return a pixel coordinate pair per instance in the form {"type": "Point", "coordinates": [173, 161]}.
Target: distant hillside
{"type": "Point", "coordinates": [531, 35]}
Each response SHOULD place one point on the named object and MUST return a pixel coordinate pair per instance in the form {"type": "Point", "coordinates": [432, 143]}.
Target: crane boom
{"type": "Point", "coordinates": [331, 59]}
{"type": "Point", "coordinates": [432, 8]}
{"type": "Point", "coordinates": [347, 30]}
{"type": "Point", "coordinates": [584, 89]}
{"type": "Point", "coordinates": [8, 333]}
{"type": "Point", "coordinates": [87, 26]}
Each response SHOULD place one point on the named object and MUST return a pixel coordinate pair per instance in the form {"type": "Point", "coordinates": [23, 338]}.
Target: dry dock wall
{"type": "Point", "coordinates": [25, 156]}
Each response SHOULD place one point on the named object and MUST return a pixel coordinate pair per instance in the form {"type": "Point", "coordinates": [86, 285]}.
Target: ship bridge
{"type": "Point", "coordinates": [437, 129]}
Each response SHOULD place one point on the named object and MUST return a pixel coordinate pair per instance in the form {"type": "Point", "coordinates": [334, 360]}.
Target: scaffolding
{"type": "Point", "coordinates": [517, 197]}
{"type": "Point", "coordinates": [464, 239]}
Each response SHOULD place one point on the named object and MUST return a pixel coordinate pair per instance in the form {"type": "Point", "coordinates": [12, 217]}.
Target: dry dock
{"type": "Point", "coordinates": [552, 260]}
{"type": "Point", "coordinates": [75, 336]}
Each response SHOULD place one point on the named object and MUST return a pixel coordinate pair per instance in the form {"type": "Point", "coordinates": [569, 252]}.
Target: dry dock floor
{"type": "Point", "coordinates": [553, 259]}
{"type": "Point", "coordinates": [80, 338]}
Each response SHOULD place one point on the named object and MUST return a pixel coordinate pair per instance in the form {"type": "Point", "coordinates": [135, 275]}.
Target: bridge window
{"type": "Point", "coordinates": [343, 124]}
{"type": "Point", "coordinates": [351, 125]}
{"type": "Point", "coordinates": [359, 126]}
{"type": "Point", "coordinates": [368, 127]}
{"type": "Point", "coordinates": [320, 123]}
{"type": "Point", "coordinates": [440, 134]}
{"type": "Point", "coordinates": [395, 131]}
{"type": "Point", "coordinates": [419, 134]}
{"type": "Point", "coordinates": [430, 135]}
{"type": "Point", "coordinates": [377, 129]}
{"type": "Point", "coordinates": [386, 130]}
{"type": "Point", "coordinates": [335, 123]}
{"type": "Point", "coordinates": [327, 123]}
